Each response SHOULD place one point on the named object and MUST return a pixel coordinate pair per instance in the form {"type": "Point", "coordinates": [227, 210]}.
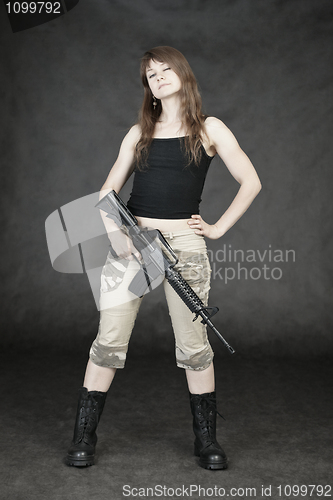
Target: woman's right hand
{"type": "Point", "coordinates": [122, 245]}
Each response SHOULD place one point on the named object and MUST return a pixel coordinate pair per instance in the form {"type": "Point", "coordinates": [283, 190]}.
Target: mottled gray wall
{"type": "Point", "coordinates": [69, 91]}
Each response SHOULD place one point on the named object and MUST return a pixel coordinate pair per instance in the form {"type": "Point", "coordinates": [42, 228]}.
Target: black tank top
{"type": "Point", "coordinates": [168, 188]}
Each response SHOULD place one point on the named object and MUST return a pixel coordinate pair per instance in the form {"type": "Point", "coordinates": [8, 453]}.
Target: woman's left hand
{"type": "Point", "coordinates": [201, 227]}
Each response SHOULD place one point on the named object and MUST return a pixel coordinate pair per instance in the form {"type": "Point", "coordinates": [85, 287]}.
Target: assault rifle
{"type": "Point", "coordinates": [158, 259]}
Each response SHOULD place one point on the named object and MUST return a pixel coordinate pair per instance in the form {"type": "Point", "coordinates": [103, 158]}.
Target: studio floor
{"type": "Point", "coordinates": [277, 433]}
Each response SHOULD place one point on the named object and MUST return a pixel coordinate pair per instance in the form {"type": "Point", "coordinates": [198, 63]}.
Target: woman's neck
{"type": "Point", "coordinates": [169, 123]}
{"type": "Point", "coordinates": [170, 111]}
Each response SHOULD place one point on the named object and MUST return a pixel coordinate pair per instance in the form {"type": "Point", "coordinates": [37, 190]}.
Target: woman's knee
{"type": "Point", "coordinates": [199, 360]}
{"type": "Point", "coordinates": [108, 356]}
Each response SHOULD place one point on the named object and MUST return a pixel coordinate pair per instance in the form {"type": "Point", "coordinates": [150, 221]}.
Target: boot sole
{"type": "Point", "coordinates": [75, 462]}
{"type": "Point", "coordinates": [218, 466]}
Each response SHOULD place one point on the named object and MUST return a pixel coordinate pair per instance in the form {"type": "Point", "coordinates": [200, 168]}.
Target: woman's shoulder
{"type": "Point", "coordinates": [211, 123]}
{"type": "Point", "coordinates": [135, 131]}
{"type": "Point", "coordinates": [133, 135]}
{"type": "Point", "coordinates": [216, 130]}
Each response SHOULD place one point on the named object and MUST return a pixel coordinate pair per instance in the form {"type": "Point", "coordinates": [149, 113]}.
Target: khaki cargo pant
{"type": "Point", "coordinates": [119, 307]}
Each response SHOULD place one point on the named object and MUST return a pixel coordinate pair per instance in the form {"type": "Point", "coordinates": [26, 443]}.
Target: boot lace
{"type": "Point", "coordinates": [87, 418]}
{"type": "Point", "coordinates": [207, 407]}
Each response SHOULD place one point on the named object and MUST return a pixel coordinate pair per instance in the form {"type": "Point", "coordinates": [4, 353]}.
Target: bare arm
{"type": "Point", "coordinates": [241, 168]}
{"type": "Point", "coordinates": [123, 166]}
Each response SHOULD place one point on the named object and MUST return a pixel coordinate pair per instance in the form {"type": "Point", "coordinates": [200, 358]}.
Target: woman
{"type": "Point", "coordinates": [170, 150]}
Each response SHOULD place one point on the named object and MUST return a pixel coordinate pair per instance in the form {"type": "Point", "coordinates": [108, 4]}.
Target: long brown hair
{"type": "Point", "coordinates": [192, 116]}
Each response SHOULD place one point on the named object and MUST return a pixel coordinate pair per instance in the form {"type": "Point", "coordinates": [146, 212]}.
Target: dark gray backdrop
{"type": "Point", "coordinates": [70, 90]}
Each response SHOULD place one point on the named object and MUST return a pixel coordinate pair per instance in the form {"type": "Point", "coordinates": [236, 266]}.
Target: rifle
{"type": "Point", "coordinates": [158, 258]}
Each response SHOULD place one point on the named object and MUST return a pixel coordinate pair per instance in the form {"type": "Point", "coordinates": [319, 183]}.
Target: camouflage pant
{"type": "Point", "coordinates": [119, 307]}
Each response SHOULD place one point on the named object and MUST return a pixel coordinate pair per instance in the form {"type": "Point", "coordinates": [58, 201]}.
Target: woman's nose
{"type": "Point", "coordinates": [159, 77]}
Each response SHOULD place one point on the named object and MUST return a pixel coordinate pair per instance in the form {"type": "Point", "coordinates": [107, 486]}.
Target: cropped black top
{"type": "Point", "coordinates": [168, 188]}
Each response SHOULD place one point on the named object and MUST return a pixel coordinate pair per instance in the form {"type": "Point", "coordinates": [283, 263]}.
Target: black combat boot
{"type": "Point", "coordinates": [89, 410]}
{"type": "Point", "coordinates": [203, 407]}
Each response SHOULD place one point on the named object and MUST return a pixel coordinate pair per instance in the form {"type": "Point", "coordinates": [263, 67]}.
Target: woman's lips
{"type": "Point", "coordinates": [163, 85]}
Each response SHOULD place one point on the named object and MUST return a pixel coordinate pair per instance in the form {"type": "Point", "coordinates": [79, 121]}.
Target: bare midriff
{"type": "Point", "coordinates": [164, 224]}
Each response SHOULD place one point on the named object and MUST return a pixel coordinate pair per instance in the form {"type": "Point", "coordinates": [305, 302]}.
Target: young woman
{"type": "Point", "coordinates": [169, 150]}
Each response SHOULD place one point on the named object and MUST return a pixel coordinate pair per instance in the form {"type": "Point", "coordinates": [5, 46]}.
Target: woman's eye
{"type": "Point", "coordinates": [150, 76]}
{"type": "Point", "coordinates": [166, 69]}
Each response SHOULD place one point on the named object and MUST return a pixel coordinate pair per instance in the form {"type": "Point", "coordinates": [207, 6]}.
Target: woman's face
{"type": "Point", "coordinates": [162, 80]}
